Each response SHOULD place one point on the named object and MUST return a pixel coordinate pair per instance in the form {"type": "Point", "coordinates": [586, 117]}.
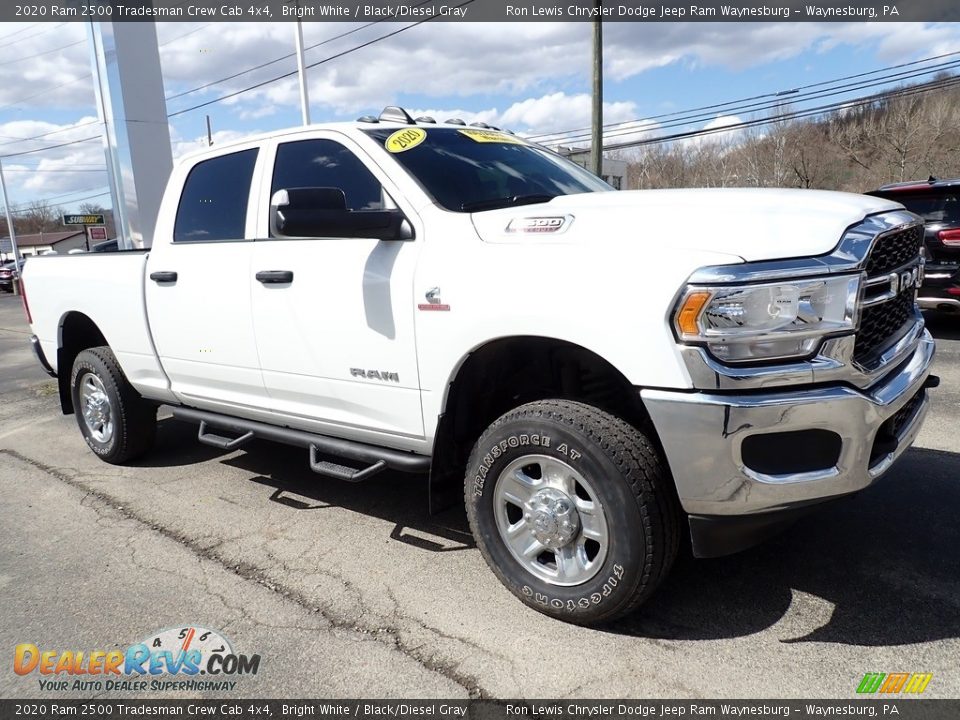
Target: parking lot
{"type": "Point", "coordinates": [355, 590]}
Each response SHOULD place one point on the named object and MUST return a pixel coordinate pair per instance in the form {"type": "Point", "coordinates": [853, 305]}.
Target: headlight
{"type": "Point", "coordinates": [770, 321]}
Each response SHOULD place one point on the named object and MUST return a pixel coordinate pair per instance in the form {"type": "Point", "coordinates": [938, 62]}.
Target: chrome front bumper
{"type": "Point", "coordinates": [703, 435]}
{"type": "Point", "coordinates": [939, 303]}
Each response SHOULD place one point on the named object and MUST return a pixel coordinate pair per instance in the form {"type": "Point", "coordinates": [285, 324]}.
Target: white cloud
{"type": "Point", "coordinates": [55, 171]}
{"type": "Point", "coordinates": [183, 146]}
{"type": "Point", "coordinates": [45, 67]}
{"type": "Point", "coordinates": [559, 113]}
{"type": "Point", "coordinates": [523, 76]}
{"type": "Point", "coordinates": [554, 119]}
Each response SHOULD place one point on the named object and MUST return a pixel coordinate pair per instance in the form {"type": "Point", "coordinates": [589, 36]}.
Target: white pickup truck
{"type": "Point", "coordinates": [598, 371]}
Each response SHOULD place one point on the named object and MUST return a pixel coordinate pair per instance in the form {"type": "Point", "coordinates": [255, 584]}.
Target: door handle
{"type": "Point", "coordinates": [275, 277]}
{"type": "Point", "coordinates": [163, 276]}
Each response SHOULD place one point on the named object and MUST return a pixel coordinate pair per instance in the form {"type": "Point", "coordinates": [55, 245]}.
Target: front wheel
{"type": "Point", "coordinates": [116, 422]}
{"type": "Point", "coordinates": [572, 509]}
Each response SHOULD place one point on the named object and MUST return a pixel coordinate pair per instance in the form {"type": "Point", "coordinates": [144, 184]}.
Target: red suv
{"type": "Point", "coordinates": [938, 203]}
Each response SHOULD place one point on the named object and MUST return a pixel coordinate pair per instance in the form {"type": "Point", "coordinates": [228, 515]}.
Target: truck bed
{"type": "Point", "coordinates": [107, 287]}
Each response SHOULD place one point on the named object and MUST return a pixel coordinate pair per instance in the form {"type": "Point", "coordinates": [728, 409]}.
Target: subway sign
{"type": "Point", "coordinates": [83, 220]}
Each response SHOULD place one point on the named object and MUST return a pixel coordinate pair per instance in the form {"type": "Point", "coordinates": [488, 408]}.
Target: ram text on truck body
{"type": "Point", "coordinates": [596, 371]}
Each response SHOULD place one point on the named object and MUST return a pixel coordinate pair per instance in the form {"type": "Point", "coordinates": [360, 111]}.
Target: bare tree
{"type": "Point", "coordinates": [37, 216]}
{"type": "Point", "coordinates": [91, 208]}
{"type": "Point", "coordinates": [898, 137]}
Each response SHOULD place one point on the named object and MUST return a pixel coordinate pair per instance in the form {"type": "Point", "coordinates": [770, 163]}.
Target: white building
{"type": "Point", "coordinates": [614, 171]}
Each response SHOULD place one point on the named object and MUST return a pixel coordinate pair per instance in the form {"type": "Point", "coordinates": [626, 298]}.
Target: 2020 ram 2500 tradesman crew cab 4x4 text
{"type": "Point", "coordinates": [595, 373]}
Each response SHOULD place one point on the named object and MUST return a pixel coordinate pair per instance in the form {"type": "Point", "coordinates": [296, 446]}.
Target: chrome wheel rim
{"type": "Point", "coordinates": [551, 520]}
{"type": "Point", "coordinates": [95, 408]}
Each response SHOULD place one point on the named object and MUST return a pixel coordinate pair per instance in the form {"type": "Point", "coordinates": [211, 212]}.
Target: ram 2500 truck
{"type": "Point", "coordinates": [597, 371]}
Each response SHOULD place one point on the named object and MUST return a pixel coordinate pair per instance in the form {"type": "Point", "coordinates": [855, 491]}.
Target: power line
{"type": "Point", "coordinates": [935, 86]}
{"type": "Point", "coordinates": [27, 211]}
{"type": "Point", "coordinates": [283, 57]}
{"type": "Point", "coordinates": [52, 170]}
{"type": "Point", "coordinates": [45, 91]}
{"type": "Point", "coordinates": [52, 132]}
{"type": "Point", "coordinates": [44, 31]}
{"type": "Point", "coordinates": [773, 105]}
{"type": "Point", "coordinates": [186, 34]}
{"type": "Point", "coordinates": [310, 65]}
{"type": "Point", "coordinates": [39, 167]}
{"type": "Point", "coordinates": [73, 192]}
{"type": "Point", "coordinates": [781, 93]}
{"type": "Point", "coordinates": [51, 147]}
{"type": "Point", "coordinates": [739, 106]}
{"type": "Point", "coordinates": [17, 31]}
{"type": "Point", "coordinates": [77, 79]}
{"type": "Point", "coordinates": [40, 54]}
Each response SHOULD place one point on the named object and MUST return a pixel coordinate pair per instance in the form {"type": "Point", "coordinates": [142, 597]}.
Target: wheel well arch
{"type": "Point", "coordinates": [75, 333]}
{"type": "Point", "coordinates": [511, 371]}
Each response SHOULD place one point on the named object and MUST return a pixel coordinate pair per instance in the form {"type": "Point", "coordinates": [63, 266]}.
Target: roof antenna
{"type": "Point", "coordinates": [931, 180]}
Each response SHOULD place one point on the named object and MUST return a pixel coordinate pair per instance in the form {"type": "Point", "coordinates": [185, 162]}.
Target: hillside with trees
{"type": "Point", "coordinates": [908, 134]}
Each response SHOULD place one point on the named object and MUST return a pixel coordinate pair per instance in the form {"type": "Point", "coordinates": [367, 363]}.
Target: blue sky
{"type": "Point", "coordinates": [531, 77]}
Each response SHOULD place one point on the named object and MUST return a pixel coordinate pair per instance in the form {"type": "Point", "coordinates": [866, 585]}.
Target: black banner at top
{"type": "Point", "coordinates": [895, 707]}
{"type": "Point", "coordinates": [482, 11]}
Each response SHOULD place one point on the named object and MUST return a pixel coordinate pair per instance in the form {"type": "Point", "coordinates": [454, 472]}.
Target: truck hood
{"type": "Point", "coordinates": [754, 224]}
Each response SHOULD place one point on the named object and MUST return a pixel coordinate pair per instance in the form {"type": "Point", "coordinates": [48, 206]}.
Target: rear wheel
{"type": "Point", "coordinates": [116, 422]}
{"type": "Point", "coordinates": [573, 510]}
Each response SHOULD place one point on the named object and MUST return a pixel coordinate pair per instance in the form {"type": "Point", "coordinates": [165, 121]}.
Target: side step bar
{"type": "Point", "coordinates": [376, 458]}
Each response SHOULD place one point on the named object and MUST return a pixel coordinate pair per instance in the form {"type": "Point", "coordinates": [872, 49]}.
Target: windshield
{"type": "Point", "coordinates": [469, 169]}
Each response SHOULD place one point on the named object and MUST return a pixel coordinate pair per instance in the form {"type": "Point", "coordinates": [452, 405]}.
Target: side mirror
{"type": "Point", "coordinates": [323, 212]}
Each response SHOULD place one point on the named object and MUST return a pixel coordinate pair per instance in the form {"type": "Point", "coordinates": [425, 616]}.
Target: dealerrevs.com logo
{"type": "Point", "coordinates": [183, 658]}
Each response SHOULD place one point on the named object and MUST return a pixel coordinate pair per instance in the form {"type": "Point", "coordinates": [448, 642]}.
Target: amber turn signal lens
{"type": "Point", "coordinates": [690, 311]}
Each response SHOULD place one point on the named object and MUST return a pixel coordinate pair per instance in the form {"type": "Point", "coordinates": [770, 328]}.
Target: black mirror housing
{"type": "Point", "coordinates": [323, 212]}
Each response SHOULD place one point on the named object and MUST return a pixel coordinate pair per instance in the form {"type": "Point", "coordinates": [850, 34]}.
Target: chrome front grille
{"type": "Point", "coordinates": [895, 250]}
{"type": "Point", "coordinates": [888, 307]}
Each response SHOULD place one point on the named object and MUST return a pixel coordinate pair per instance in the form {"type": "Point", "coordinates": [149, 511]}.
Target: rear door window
{"type": "Point", "coordinates": [213, 205]}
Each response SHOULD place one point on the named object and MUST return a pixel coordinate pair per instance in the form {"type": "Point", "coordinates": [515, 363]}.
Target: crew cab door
{"type": "Point", "coordinates": [198, 285]}
{"type": "Point", "coordinates": [335, 333]}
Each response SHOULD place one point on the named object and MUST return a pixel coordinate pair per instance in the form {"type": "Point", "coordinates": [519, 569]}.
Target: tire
{"type": "Point", "coordinates": [587, 488]}
{"type": "Point", "coordinates": [116, 422]}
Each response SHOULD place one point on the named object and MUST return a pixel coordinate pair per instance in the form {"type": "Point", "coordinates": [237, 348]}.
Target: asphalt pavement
{"type": "Point", "coordinates": [355, 590]}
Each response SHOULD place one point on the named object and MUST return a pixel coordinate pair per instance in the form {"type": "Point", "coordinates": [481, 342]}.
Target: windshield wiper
{"type": "Point", "coordinates": [503, 202]}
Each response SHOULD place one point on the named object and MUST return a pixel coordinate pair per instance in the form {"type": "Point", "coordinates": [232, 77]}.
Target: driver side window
{"type": "Point", "coordinates": [326, 164]}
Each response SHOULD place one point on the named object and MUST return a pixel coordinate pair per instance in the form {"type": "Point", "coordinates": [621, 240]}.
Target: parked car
{"type": "Point", "coordinates": [106, 246]}
{"type": "Point", "coordinates": [938, 203]}
{"type": "Point", "coordinates": [8, 273]}
{"type": "Point", "coordinates": [592, 373]}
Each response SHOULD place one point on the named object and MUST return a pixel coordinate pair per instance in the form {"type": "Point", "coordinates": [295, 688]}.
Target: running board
{"type": "Point", "coordinates": [219, 441]}
{"type": "Point", "coordinates": [342, 472]}
{"type": "Point", "coordinates": [377, 459]}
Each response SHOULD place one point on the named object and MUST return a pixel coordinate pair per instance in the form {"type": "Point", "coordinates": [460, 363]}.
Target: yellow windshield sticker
{"type": "Point", "coordinates": [490, 136]}
{"type": "Point", "coordinates": [405, 139]}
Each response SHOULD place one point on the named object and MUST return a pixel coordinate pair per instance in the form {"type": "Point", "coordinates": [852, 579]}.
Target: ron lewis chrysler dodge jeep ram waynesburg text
{"type": "Point", "coordinates": [593, 372]}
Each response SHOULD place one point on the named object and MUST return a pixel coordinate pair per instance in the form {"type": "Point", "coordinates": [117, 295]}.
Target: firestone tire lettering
{"type": "Point", "coordinates": [635, 492]}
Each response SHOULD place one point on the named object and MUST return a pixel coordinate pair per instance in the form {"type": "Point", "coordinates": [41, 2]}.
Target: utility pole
{"type": "Point", "coordinates": [302, 76]}
{"type": "Point", "coordinates": [596, 145]}
{"type": "Point", "coordinates": [6, 208]}
{"type": "Point", "coordinates": [209, 133]}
